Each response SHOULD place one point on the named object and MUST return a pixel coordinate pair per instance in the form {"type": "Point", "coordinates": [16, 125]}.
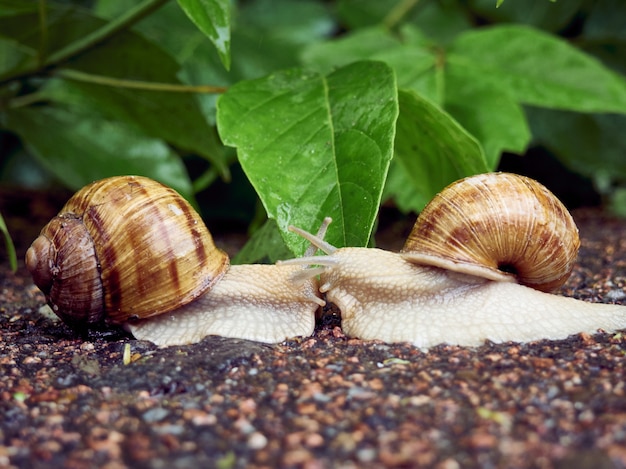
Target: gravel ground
{"type": "Point", "coordinates": [317, 402]}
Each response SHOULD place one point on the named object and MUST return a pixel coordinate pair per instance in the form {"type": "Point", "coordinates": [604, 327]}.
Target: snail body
{"type": "Point", "coordinates": [434, 292]}
{"type": "Point", "coordinates": [126, 250]}
{"type": "Point", "coordinates": [250, 302]}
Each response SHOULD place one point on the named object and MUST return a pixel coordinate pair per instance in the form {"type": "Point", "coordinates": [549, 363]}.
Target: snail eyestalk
{"type": "Point", "coordinates": [309, 259]}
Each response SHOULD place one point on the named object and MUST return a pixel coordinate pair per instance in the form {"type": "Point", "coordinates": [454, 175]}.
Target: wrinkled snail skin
{"type": "Point", "coordinates": [128, 251]}
{"type": "Point", "coordinates": [436, 291]}
{"type": "Point", "coordinates": [385, 297]}
{"type": "Point", "coordinates": [250, 302]}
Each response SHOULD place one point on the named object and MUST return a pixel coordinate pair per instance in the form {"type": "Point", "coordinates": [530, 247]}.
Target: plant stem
{"type": "Point", "coordinates": [25, 100]}
{"type": "Point", "coordinates": [398, 12]}
{"type": "Point", "coordinates": [89, 41]}
{"type": "Point", "coordinates": [135, 84]}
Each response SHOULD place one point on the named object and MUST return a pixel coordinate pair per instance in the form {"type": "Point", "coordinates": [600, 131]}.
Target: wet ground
{"type": "Point", "coordinates": [317, 402]}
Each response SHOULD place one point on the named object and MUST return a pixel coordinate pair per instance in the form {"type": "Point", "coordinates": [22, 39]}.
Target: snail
{"type": "Point", "coordinates": [478, 265]}
{"type": "Point", "coordinates": [130, 251]}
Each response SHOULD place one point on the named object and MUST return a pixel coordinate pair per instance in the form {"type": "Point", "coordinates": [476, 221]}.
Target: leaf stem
{"type": "Point", "coordinates": [398, 12]}
{"type": "Point", "coordinates": [25, 100]}
{"type": "Point", "coordinates": [136, 84]}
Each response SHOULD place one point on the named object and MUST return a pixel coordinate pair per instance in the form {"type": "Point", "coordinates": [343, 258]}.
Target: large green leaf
{"type": "Point", "coordinates": [433, 149]}
{"type": "Point", "coordinates": [79, 148]}
{"type": "Point", "coordinates": [315, 146]}
{"type": "Point", "coordinates": [538, 68]}
{"type": "Point", "coordinates": [498, 123]}
{"type": "Point", "coordinates": [213, 18]}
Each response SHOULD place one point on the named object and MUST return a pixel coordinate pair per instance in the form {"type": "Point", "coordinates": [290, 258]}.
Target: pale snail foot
{"type": "Point", "coordinates": [245, 304]}
{"type": "Point", "coordinates": [457, 309]}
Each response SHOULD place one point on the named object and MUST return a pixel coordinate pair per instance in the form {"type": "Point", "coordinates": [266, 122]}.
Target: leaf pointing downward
{"type": "Point", "coordinates": [315, 146]}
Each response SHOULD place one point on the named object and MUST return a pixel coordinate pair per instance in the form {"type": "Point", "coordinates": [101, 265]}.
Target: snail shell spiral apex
{"type": "Point", "coordinates": [122, 248]}
{"type": "Point", "coordinates": [500, 226]}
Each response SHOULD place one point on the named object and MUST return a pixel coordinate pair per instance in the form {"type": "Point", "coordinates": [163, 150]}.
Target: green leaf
{"type": "Point", "coordinates": [591, 144]}
{"type": "Point", "coordinates": [213, 18]}
{"type": "Point", "coordinates": [432, 148]}
{"type": "Point", "coordinates": [22, 30]}
{"type": "Point", "coordinates": [265, 245]}
{"type": "Point", "coordinates": [363, 13]}
{"type": "Point", "coordinates": [399, 188]}
{"type": "Point", "coordinates": [440, 21]}
{"type": "Point", "coordinates": [283, 25]}
{"type": "Point", "coordinates": [315, 146]}
{"type": "Point", "coordinates": [79, 148]}
{"type": "Point", "coordinates": [540, 69]}
{"type": "Point", "coordinates": [8, 243]}
{"type": "Point", "coordinates": [499, 122]}
{"type": "Point", "coordinates": [174, 117]}
{"type": "Point", "coordinates": [12, 7]}
{"type": "Point", "coordinates": [287, 21]}
{"type": "Point", "coordinates": [13, 56]}
{"type": "Point", "coordinates": [412, 58]}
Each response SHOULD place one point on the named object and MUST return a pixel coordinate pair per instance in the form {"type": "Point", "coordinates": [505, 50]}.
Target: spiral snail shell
{"type": "Point", "coordinates": [497, 225]}
{"type": "Point", "coordinates": [97, 260]}
{"type": "Point", "coordinates": [446, 286]}
{"type": "Point", "coordinates": [129, 250]}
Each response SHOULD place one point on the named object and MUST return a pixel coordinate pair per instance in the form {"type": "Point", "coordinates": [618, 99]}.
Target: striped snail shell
{"type": "Point", "coordinates": [497, 225]}
{"type": "Point", "coordinates": [122, 248]}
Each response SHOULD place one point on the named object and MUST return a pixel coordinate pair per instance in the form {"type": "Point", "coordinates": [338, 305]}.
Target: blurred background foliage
{"type": "Point", "coordinates": [90, 89]}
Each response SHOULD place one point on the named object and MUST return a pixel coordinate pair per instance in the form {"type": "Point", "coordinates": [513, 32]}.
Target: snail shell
{"type": "Point", "coordinates": [497, 225]}
{"type": "Point", "coordinates": [122, 248]}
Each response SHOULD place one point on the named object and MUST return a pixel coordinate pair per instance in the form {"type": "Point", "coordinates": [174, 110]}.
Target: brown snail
{"type": "Point", "coordinates": [461, 277]}
{"type": "Point", "coordinates": [129, 250]}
